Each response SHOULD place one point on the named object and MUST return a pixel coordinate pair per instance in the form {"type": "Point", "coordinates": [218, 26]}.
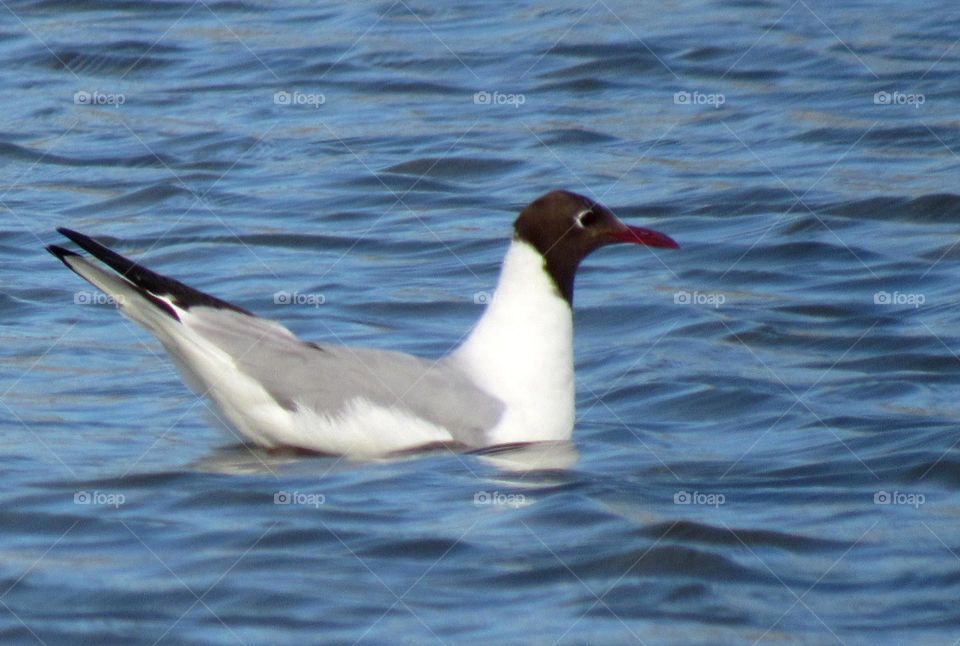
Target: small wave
{"type": "Point", "coordinates": [905, 137]}
{"type": "Point", "coordinates": [140, 58]}
{"type": "Point", "coordinates": [454, 167]}
{"type": "Point", "coordinates": [21, 153]}
{"type": "Point", "coordinates": [936, 207]}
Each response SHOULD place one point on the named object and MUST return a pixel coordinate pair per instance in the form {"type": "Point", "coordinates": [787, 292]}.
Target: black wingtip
{"type": "Point", "coordinates": [60, 252]}
{"type": "Point", "coordinates": [148, 281]}
{"type": "Point", "coordinates": [70, 233]}
{"type": "Point", "coordinates": [86, 242]}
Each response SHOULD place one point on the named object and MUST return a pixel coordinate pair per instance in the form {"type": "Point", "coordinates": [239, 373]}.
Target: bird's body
{"type": "Point", "coordinates": [512, 380]}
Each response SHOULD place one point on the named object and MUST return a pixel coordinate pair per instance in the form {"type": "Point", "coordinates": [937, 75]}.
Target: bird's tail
{"type": "Point", "coordinates": [151, 311]}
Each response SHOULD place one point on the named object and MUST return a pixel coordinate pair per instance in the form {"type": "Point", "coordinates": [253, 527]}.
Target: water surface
{"type": "Point", "coordinates": [766, 444]}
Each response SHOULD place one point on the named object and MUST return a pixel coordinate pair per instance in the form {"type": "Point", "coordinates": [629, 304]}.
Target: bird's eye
{"type": "Point", "coordinates": [587, 219]}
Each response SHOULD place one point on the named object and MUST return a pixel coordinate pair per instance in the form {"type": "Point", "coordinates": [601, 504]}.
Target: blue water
{"type": "Point", "coordinates": [766, 445]}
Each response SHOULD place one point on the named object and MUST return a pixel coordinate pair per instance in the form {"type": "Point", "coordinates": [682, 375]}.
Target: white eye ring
{"type": "Point", "coordinates": [582, 215]}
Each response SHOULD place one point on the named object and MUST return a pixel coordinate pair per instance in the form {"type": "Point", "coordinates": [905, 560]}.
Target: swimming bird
{"type": "Point", "coordinates": [510, 381]}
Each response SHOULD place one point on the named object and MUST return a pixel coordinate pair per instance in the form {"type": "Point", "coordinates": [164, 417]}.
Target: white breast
{"type": "Point", "coordinates": [521, 351]}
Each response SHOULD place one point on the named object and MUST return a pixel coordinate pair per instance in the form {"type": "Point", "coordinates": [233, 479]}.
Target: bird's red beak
{"type": "Point", "coordinates": [648, 237]}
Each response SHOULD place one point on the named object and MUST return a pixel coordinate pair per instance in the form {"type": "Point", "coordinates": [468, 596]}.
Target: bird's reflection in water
{"type": "Point", "coordinates": [517, 459]}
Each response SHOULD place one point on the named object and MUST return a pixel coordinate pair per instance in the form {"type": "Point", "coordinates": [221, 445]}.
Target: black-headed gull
{"type": "Point", "coordinates": [510, 381]}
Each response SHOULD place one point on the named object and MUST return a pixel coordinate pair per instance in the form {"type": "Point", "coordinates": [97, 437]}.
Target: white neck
{"type": "Point", "coordinates": [521, 351]}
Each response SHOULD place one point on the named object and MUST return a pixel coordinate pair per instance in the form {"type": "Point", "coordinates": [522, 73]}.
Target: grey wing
{"type": "Point", "coordinates": [325, 378]}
